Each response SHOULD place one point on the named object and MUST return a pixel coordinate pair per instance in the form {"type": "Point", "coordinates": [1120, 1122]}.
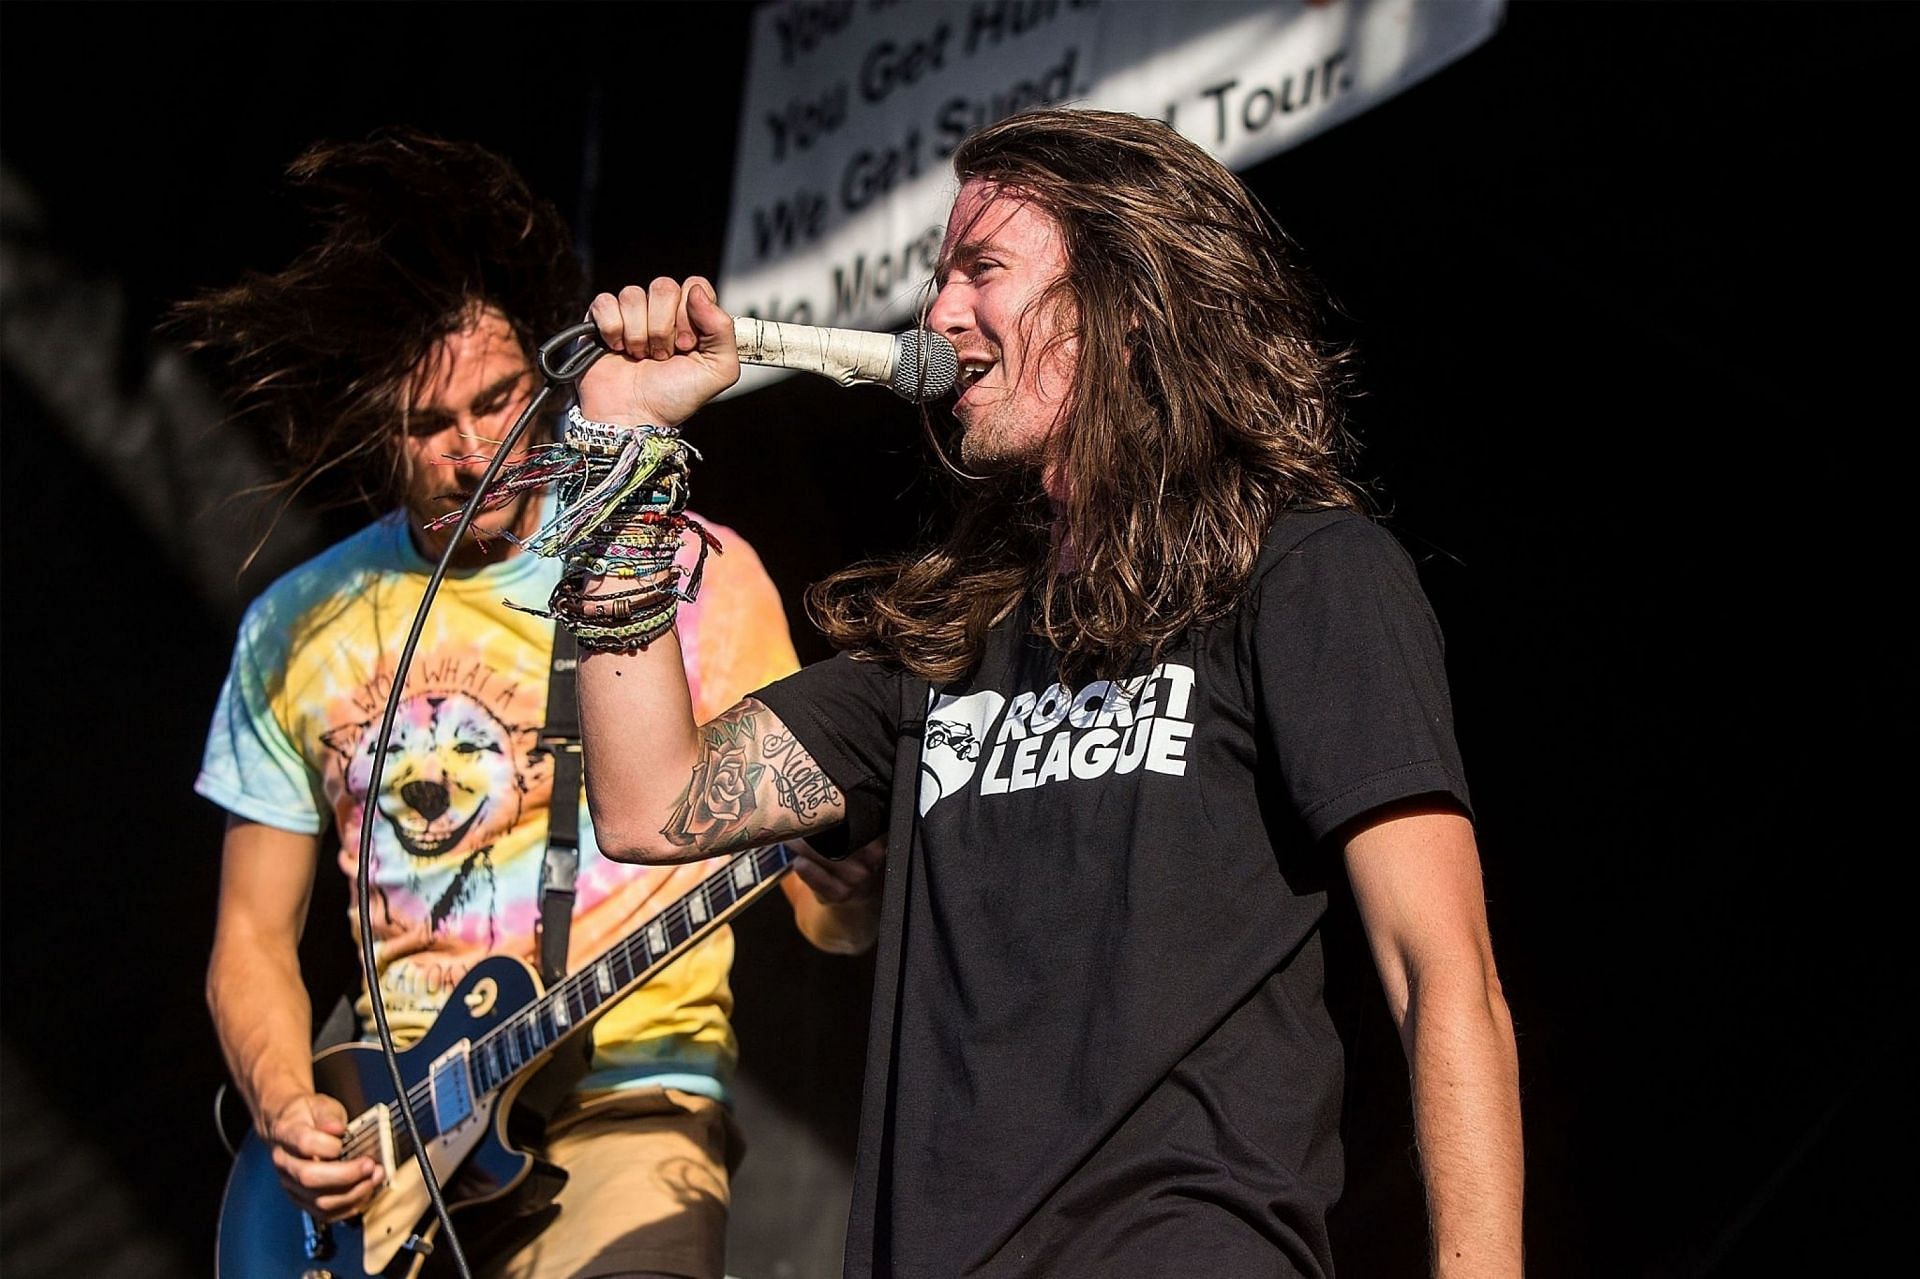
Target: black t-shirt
{"type": "Point", "coordinates": [1099, 1044]}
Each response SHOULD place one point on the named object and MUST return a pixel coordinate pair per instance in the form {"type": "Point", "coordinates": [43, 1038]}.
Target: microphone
{"type": "Point", "coordinates": [918, 364]}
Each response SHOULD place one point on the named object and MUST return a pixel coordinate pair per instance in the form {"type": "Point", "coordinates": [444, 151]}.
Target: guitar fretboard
{"type": "Point", "coordinates": [509, 1047]}
{"type": "Point", "coordinates": [516, 1043]}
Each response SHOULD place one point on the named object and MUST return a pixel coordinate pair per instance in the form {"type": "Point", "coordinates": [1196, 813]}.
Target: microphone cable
{"type": "Point", "coordinates": [558, 371]}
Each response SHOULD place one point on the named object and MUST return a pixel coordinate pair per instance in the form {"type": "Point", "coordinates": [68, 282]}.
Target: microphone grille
{"type": "Point", "coordinates": [925, 365]}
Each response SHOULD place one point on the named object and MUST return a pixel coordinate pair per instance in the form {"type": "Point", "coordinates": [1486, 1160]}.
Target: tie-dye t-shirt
{"type": "Point", "coordinates": [462, 815]}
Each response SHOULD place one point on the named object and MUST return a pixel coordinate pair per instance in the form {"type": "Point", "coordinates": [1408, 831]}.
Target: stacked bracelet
{"type": "Point", "coordinates": [617, 620]}
{"type": "Point", "coordinates": [623, 496]}
{"type": "Point", "coordinates": [600, 439]}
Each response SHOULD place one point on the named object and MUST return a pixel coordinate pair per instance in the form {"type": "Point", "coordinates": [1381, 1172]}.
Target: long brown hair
{"type": "Point", "coordinates": [1205, 402]}
{"type": "Point", "coordinates": [415, 234]}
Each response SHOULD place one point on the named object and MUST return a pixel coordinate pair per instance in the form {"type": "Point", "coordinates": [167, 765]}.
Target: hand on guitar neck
{"type": "Point", "coordinates": [838, 907]}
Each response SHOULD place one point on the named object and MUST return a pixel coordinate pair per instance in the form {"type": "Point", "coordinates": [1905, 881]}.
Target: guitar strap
{"type": "Point", "coordinates": [561, 736]}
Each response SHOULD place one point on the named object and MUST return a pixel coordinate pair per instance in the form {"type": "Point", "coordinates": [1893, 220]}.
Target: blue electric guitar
{"type": "Point", "coordinates": [498, 1029]}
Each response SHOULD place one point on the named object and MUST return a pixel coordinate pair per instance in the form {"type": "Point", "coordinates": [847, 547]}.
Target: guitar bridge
{"type": "Point", "coordinates": [379, 1122]}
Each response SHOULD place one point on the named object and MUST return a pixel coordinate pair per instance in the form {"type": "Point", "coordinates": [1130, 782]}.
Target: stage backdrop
{"type": "Point", "coordinates": [850, 111]}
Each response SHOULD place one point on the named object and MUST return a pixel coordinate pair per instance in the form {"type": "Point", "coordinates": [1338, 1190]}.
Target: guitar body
{"type": "Point", "coordinates": [265, 1235]}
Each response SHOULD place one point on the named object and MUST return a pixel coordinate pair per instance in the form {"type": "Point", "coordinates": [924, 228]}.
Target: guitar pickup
{"type": "Point", "coordinates": [379, 1122]}
{"type": "Point", "coordinates": [452, 1089]}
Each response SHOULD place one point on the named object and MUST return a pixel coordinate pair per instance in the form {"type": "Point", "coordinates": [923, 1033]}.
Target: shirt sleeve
{"type": "Point", "coordinates": [251, 766]}
{"type": "Point", "coordinates": [1351, 678]}
{"type": "Point", "coordinates": [845, 713]}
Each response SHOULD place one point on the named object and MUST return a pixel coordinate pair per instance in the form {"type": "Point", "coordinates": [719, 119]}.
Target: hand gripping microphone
{"type": "Point", "coordinates": [918, 364]}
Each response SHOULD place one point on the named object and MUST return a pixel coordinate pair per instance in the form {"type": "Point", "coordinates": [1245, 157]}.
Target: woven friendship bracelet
{"type": "Point", "coordinates": [621, 619]}
{"type": "Point", "coordinates": [648, 476]}
{"type": "Point", "coordinates": [619, 562]}
{"type": "Point", "coordinates": [603, 439]}
{"type": "Point", "coordinates": [623, 494]}
{"type": "Point", "coordinates": [572, 603]}
{"type": "Point", "coordinates": [595, 466]}
{"type": "Point", "coordinates": [616, 621]}
{"type": "Point", "coordinates": [623, 638]}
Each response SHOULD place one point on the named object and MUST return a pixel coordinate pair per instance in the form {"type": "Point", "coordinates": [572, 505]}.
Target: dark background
{"type": "Point", "coordinates": [1628, 286]}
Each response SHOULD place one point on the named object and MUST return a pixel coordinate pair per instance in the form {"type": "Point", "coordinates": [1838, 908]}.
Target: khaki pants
{"type": "Point", "coordinates": [647, 1190]}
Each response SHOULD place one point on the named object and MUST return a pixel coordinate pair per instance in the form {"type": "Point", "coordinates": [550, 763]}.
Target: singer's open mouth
{"type": "Point", "coordinates": [972, 371]}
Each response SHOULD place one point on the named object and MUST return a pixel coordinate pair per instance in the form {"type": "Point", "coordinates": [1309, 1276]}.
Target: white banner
{"type": "Point", "coordinates": [852, 108]}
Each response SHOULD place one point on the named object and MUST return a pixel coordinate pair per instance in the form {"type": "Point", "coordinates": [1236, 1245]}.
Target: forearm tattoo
{"type": "Point", "coordinates": [754, 784]}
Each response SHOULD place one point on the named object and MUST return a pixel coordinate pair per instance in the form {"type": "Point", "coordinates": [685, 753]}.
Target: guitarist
{"type": "Point", "coordinates": [386, 360]}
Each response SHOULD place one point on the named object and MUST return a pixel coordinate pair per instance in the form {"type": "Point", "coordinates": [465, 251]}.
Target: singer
{"type": "Point", "coordinates": [390, 356]}
{"type": "Point", "coordinates": [1161, 686]}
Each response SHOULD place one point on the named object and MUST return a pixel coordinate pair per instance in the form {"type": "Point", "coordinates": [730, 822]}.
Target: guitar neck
{"type": "Point", "coordinates": [524, 1039]}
